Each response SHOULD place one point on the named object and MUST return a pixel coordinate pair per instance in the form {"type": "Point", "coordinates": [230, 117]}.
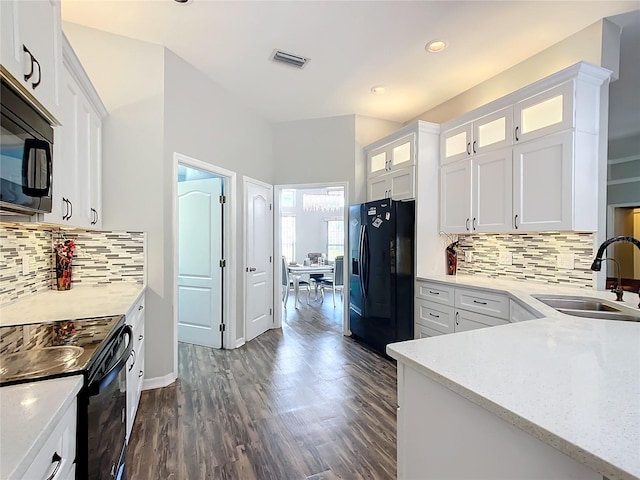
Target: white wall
{"type": "Point", "coordinates": [204, 121]}
{"type": "Point", "coordinates": [585, 45]}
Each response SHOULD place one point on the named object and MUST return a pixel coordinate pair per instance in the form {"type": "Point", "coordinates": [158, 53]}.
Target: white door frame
{"type": "Point", "coordinates": [228, 246]}
{"type": "Point", "coordinates": [277, 247]}
{"type": "Point", "coordinates": [246, 179]}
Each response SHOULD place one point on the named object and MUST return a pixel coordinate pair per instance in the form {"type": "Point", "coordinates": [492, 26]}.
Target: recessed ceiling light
{"type": "Point", "coordinates": [436, 46]}
{"type": "Point", "coordinates": [378, 90]}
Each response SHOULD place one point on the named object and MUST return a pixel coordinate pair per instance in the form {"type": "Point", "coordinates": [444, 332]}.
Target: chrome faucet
{"type": "Point", "coordinates": [596, 266]}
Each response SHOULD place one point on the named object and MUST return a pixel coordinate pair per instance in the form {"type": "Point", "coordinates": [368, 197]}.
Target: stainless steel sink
{"type": "Point", "coordinates": [31, 362]}
{"type": "Point", "coordinates": [589, 307]}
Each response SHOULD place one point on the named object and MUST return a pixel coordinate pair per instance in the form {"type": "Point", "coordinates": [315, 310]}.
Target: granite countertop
{"type": "Point", "coordinates": [29, 412]}
{"type": "Point", "coordinates": [79, 302]}
{"type": "Point", "coordinates": [571, 382]}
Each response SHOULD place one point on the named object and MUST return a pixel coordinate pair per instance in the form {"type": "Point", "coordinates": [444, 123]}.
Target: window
{"type": "Point", "coordinates": [335, 238]}
{"type": "Point", "coordinates": [288, 198]}
{"type": "Point", "coordinates": [288, 235]}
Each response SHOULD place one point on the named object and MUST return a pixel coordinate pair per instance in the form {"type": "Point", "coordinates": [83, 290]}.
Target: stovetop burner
{"type": "Point", "coordinates": [47, 350]}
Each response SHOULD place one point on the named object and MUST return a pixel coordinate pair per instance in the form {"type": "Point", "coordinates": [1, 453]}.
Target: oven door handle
{"type": "Point", "coordinates": [98, 385]}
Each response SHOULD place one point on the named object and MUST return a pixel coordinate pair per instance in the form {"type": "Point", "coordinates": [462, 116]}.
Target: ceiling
{"type": "Point", "coordinates": [353, 45]}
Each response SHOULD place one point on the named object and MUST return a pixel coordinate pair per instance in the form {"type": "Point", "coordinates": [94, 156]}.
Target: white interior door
{"type": "Point", "coordinates": [199, 255]}
{"type": "Point", "coordinates": [259, 244]}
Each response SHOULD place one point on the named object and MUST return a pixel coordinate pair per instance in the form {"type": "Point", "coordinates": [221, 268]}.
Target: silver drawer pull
{"type": "Point", "coordinates": [140, 337]}
{"type": "Point", "coordinates": [434, 315]}
{"type": "Point", "coordinates": [140, 307]}
{"type": "Point", "coordinates": [141, 373]}
{"type": "Point", "coordinates": [434, 293]}
{"type": "Point", "coordinates": [55, 459]}
{"type": "Point", "coordinates": [479, 303]}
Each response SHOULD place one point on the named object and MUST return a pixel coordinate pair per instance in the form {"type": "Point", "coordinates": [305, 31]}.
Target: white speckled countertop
{"type": "Point", "coordinates": [79, 302]}
{"type": "Point", "coordinates": [28, 414]}
{"type": "Point", "coordinates": [571, 382]}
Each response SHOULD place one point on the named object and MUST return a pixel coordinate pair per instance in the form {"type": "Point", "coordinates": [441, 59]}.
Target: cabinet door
{"type": "Point", "coordinates": [402, 153]}
{"type": "Point", "coordinates": [455, 144]}
{"type": "Point", "coordinates": [543, 184]}
{"type": "Point", "coordinates": [455, 197]}
{"type": "Point", "coordinates": [420, 331]}
{"type": "Point", "coordinates": [95, 170]}
{"type": "Point", "coordinates": [402, 183]}
{"type": "Point", "coordinates": [493, 131]}
{"type": "Point", "coordinates": [31, 47]}
{"type": "Point", "coordinates": [377, 162]}
{"type": "Point", "coordinates": [545, 113]}
{"type": "Point", "coordinates": [378, 188]}
{"type": "Point", "coordinates": [492, 193]}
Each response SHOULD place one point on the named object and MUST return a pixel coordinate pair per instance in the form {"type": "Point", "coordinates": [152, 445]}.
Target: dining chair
{"type": "Point", "coordinates": [287, 283]}
{"type": "Point", "coordinates": [315, 278]}
{"type": "Point", "coordinates": [337, 282]}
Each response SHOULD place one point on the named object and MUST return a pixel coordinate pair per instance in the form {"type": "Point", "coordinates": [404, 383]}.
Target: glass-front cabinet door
{"type": "Point", "coordinates": [377, 162]}
{"type": "Point", "coordinates": [493, 131]}
{"type": "Point", "coordinates": [545, 113]}
{"type": "Point", "coordinates": [456, 144]}
{"type": "Point", "coordinates": [402, 153]}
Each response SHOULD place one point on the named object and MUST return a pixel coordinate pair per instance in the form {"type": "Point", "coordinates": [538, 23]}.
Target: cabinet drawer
{"type": "Point", "coordinates": [61, 443]}
{"type": "Point", "coordinates": [425, 332]}
{"type": "Point", "coordinates": [487, 303]}
{"type": "Point", "coordinates": [466, 320]}
{"type": "Point", "coordinates": [136, 312]}
{"type": "Point", "coordinates": [434, 315]}
{"type": "Point", "coordinates": [436, 292]}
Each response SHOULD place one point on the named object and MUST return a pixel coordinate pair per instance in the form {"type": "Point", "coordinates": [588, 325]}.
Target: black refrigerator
{"type": "Point", "coordinates": [381, 272]}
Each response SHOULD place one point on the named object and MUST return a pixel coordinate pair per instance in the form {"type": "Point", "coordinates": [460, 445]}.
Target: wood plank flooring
{"type": "Point", "coordinates": [301, 402]}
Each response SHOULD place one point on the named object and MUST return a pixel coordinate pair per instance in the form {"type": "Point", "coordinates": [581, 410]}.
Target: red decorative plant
{"type": "Point", "coordinates": [64, 252]}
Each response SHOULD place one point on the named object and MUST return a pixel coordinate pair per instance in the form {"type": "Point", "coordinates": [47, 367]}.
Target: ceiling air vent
{"type": "Point", "coordinates": [289, 59]}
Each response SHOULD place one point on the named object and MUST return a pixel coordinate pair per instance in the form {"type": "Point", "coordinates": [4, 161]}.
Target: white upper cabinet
{"type": "Point", "coordinates": [548, 136]}
{"type": "Point", "coordinates": [456, 143]}
{"type": "Point", "coordinates": [548, 112]}
{"type": "Point", "coordinates": [455, 197]}
{"type": "Point", "coordinates": [492, 192]}
{"type": "Point", "coordinates": [398, 153]}
{"type": "Point", "coordinates": [31, 50]}
{"type": "Point", "coordinates": [77, 164]}
{"type": "Point", "coordinates": [543, 193]}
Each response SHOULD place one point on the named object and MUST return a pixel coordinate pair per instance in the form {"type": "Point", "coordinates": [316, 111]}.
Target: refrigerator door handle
{"type": "Point", "coordinates": [361, 259]}
{"type": "Point", "coordinates": [365, 258]}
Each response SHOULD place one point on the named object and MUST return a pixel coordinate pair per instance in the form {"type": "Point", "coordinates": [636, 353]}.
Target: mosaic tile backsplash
{"type": "Point", "coordinates": [534, 257]}
{"type": "Point", "coordinates": [101, 258]}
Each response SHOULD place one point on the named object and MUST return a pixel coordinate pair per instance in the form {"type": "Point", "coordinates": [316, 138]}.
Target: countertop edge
{"type": "Point", "coordinates": [41, 439]}
{"type": "Point", "coordinates": [580, 455]}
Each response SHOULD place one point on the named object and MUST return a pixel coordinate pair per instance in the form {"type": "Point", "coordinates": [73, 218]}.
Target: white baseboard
{"type": "Point", "coordinates": [159, 382]}
{"type": "Point", "coordinates": [239, 342]}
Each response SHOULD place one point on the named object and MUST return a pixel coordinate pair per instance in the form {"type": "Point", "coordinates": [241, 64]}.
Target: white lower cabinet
{"type": "Point", "coordinates": [56, 458]}
{"type": "Point", "coordinates": [135, 366]}
{"type": "Point", "coordinates": [442, 308]}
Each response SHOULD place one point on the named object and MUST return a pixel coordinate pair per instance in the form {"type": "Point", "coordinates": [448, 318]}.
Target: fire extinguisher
{"type": "Point", "coordinates": [452, 258]}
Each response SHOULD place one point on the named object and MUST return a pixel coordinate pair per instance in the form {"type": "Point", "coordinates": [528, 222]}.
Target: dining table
{"type": "Point", "coordinates": [296, 271]}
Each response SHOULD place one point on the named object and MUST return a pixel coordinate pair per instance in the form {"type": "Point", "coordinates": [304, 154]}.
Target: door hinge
{"type": "Point", "coordinates": [223, 199]}
{"type": "Point", "coordinates": [222, 327]}
{"type": "Point", "coordinates": [223, 263]}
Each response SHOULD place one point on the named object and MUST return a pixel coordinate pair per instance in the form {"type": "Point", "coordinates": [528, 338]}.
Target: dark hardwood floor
{"type": "Point", "coordinates": [301, 402]}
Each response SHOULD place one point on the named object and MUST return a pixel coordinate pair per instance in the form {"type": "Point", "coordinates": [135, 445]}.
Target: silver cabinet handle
{"type": "Point", "coordinates": [434, 315]}
{"type": "Point", "coordinates": [434, 293]}
{"type": "Point", "coordinates": [457, 318]}
{"type": "Point", "coordinates": [140, 307]}
{"type": "Point", "coordinates": [141, 373]}
{"type": "Point", "coordinates": [58, 460]}
{"type": "Point", "coordinates": [140, 337]}
{"type": "Point", "coordinates": [252, 269]}
{"type": "Point", "coordinates": [133, 353]}
{"type": "Point", "coordinates": [515, 221]}
{"type": "Point", "coordinates": [479, 302]}
{"type": "Point", "coordinates": [474, 224]}
{"type": "Point", "coordinates": [466, 224]}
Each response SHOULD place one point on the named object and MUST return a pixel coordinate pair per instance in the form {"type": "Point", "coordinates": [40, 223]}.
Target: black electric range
{"type": "Point", "coordinates": [97, 348]}
{"type": "Point", "coordinates": [54, 349]}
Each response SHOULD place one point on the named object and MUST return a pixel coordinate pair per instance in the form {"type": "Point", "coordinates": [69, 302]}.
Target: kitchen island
{"type": "Point", "coordinates": [555, 397]}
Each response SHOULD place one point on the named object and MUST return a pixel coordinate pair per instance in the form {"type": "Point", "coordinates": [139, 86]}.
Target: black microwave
{"type": "Point", "coordinates": [26, 144]}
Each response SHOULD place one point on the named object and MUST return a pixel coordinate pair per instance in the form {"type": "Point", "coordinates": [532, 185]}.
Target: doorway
{"type": "Point", "coordinates": [203, 252]}
{"type": "Point", "coordinates": [310, 219]}
{"type": "Point", "coordinates": [624, 220]}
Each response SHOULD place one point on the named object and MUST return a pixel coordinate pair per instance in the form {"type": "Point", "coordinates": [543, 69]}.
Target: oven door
{"type": "Point", "coordinates": [107, 411]}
